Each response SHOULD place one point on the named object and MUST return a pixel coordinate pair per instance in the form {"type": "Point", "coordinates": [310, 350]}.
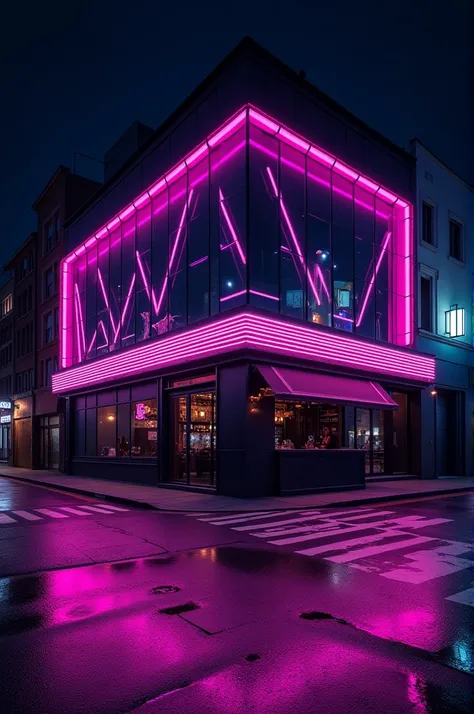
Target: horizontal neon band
{"type": "Point", "coordinates": [252, 331]}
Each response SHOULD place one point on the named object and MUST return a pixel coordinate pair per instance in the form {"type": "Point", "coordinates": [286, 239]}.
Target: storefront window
{"type": "Point", "coordinates": [307, 425]}
{"type": "Point", "coordinates": [106, 428]}
{"type": "Point", "coordinates": [377, 442]}
{"type": "Point", "coordinates": [363, 438]}
{"type": "Point", "coordinates": [144, 428]}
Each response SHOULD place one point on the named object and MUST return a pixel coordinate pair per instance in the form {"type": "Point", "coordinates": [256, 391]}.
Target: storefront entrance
{"type": "Point", "coordinates": [193, 439]}
{"type": "Point", "coordinates": [49, 442]}
{"type": "Point", "coordinates": [4, 442]}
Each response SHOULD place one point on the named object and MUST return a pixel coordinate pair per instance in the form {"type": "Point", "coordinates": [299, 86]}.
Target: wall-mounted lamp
{"type": "Point", "coordinates": [433, 392]}
{"type": "Point", "coordinates": [454, 321]}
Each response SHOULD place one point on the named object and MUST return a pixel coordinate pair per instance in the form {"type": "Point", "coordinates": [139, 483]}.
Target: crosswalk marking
{"type": "Point", "coordinates": [97, 509]}
{"type": "Point", "coordinates": [346, 544]}
{"type": "Point", "coordinates": [74, 511]}
{"type": "Point", "coordinates": [377, 549]}
{"type": "Point", "coordinates": [57, 512]}
{"type": "Point", "coordinates": [27, 516]}
{"type": "Point", "coordinates": [52, 514]}
{"type": "Point", "coordinates": [340, 530]}
{"type": "Point", "coordinates": [6, 519]}
{"type": "Point", "coordinates": [234, 519]}
{"type": "Point", "coordinates": [113, 508]}
{"type": "Point", "coordinates": [378, 532]}
{"type": "Point", "coordinates": [465, 597]}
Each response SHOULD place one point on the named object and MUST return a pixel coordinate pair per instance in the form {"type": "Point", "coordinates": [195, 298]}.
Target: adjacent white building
{"type": "Point", "coordinates": [445, 260]}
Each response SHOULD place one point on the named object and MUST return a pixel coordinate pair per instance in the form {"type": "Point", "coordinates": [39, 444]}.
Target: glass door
{"type": "Point", "coordinates": [193, 439]}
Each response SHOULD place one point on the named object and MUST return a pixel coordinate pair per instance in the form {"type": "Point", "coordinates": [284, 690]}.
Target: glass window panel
{"type": "Point", "coordinates": [384, 240]}
{"type": "Point", "coordinates": [263, 261]}
{"type": "Point", "coordinates": [178, 219]}
{"type": "Point", "coordinates": [378, 460]}
{"type": "Point", "coordinates": [143, 315]}
{"type": "Point", "coordinates": [80, 433]}
{"type": "Point", "coordinates": [129, 286]}
{"type": "Point", "coordinates": [232, 247]}
{"type": "Point", "coordinates": [105, 333]}
{"type": "Point", "coordinates": [144, 428]}
{"type": "Point", "coordinates": [91, 304]}
{"type": "Point", "coordinates": [79, 309]}
{"type": "Point", "coordinates": [292, 281]}
{"type": "Point", "coordinates": [106, 431]}
{"type": "Point", "coordinates": [91, 400]}
{"type": "Point", "coordinates": [159, 265]}
{"type": "Point", "coordinates": [80, 403]}
{"type": "Point", "coordinates": [179, 441]}
{"type": "Point", "coordinates": [144, 391]}
{"type": "Point", "coordinates": [106, 398]}
{"type": "Point", "coordinates": [115, 288]}
{"type": "Point", "coordinates": [198, 243]}
{"type": "Point", "coordinates": [123, 395]}
{"type": "Point", "coordinates": [343, 253]}
{"type": "Point", "coordinates": [91, 432]}
{"type": "Point", "coordinates": [363, 437]}
{"type": "Point", "coordinates": [318, 191]}
{"type": "Point", "coordinates": [123, 430]}
{"type": "Point", "coordinates": [228, 170]}
{"type": "Point", "coordinates": [319, 268]}
{"type": "Point", "coordinates": [364, 255]}
{"type": "Point", "coordinates": [201, 439]}
{"type": "Point", "coordinates": [143, 298]}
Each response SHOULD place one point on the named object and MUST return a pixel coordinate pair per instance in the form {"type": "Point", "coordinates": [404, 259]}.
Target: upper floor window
{"type": "Point", "coordinates": [48, 328]}
{"type": "Point", "coordinates": [27, 265]}
{"type": "Point", "coordinates": [427, 223]}
{"type": "Point", "coordinates": [456, 240]}
{"type": "Point", "coordinates": [48, 283]}
{"type": "Point", "coordinates": [427, 299]}
{"type": "Point", "coordinates": [51, 233]}
{"type": "Point", "coordinates": [6, 305]}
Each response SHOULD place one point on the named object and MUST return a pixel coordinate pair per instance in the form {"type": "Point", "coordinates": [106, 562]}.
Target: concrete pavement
{"type": "Point", "coordinates": [168, 499]}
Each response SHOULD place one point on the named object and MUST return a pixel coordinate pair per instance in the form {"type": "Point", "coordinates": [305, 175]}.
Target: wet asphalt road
{"type": "Point", "coordinates": [92, 638]}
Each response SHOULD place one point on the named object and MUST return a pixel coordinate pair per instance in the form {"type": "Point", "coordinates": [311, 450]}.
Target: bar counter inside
{"type": "Point", "coordinates": [306, 470]}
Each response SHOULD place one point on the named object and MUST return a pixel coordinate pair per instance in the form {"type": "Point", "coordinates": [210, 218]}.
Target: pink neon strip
{"type": "Point", "coordinates": [323, 282]}
{"type": "Point", "coordinates": [345, 319]}
{"type": "Point", "coordinates": [228, 128]}
{"type": "Point", "coordinates": [101, 324]}
{"type": "Point", "coordinates": [125, 308]}
{"type": "Point", "coordinates": [198, 261]}
{"type": "Point", "coordinates": [106, 299]}
{"type": "Point", "coordinates": [173, 252]}
{"type": "Point", "coordinates": [78, 331]}
{"type": "Point", "coordinates": [252, 331]}
{"type": "Point", "coordinates": [142, 200]}
{"type": "Point", "coordinates": [94, 337]}
{"type": "Point", "coordinates": [80, 315]}
{"type": "Point", "coordinates": [341, 168]}
{"type": "Point", "coordinates": [231, 227]}
{"type": "Point", "coordinates": [127, 212]}
{"type": "Point", "coordinates": [265, 295]}
{"type": "Point", "coordinates": [370, 286]}
{"type": "Point", "coordinates": [234, 295]}
{"type": "Point", "coordinates": [293, 236]}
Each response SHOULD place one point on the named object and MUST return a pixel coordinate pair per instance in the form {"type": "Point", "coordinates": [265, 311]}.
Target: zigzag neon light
{"type": "Point", "coordinates": [401, 210]}
{"type": "Point", "coordinates": [253, 331]}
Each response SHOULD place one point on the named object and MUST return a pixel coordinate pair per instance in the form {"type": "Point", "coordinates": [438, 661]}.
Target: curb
{"type": "Point", "coordinates": [149, 506]}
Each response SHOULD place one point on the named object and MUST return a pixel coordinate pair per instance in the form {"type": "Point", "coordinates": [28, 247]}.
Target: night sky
{"type": "Point", "coordinates": [75, 75]}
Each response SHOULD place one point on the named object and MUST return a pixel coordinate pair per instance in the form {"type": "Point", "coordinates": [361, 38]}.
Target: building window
{"type": "Point", "coordinates": [48, 283]}
{"type": "Point", "coordinates": [427, 223]}
{"type": "Point", "coordinates": [455, 240]}
{"type": "Point", "coordinates": [51, 233]}
{"type": "Point", "coordinates": [144, 428]}
{"type": "Point", "coordinates": [6, 305]}
{"type": "Point", "coordinates": [47, 372]}
{"type": "Point", "coordinates": [48, 328]}
{"type": "Point", "coordinates": [426, 303]}
{"type": "Point", "coordinates": [106, 431]}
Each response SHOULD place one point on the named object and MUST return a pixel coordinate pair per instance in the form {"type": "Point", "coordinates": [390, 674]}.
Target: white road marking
{"type": "Point", "coordinates": [465, 597]}
{"type": "Point", "coordinates": [367, 515]}
{"type": "Point", "coordinates": [352, 542]}
{"type": "Point", "coordinates": [341, 529]}
{"type": "Point", "coordinates": [377, 549]}
{"type": "Point", "coordinates": [53, 514]}
{"type": "Point", "coordinates": [274, 532]}
{"type": "Point", "coordinates": [27, 516]}
{"type": "Point", "coordinates": [75, 511]}
{"type": "Point", "coordinates": [111, 508]}
{"type": "Point", "coordinates": [433, 563]}
{"type": "Point", "coordinates": [97, 509]}
{"type": "Point", "coordinates": [250, 517]}
{"type": "Point", "coordinates": [268, 526]}
{"type": "Point", "coordinates": [6, 519]}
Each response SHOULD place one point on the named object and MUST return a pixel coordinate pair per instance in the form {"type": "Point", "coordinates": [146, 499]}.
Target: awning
{"type": "Point", "coordinates": [291, 383]}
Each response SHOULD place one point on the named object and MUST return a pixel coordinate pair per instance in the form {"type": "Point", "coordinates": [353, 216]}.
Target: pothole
{"type": "Point", "coordinates": [179, 609]}
{"type": "Point", "coordinates": [165, 589]}
{"type": "Point", "coordinates": [317, 615]}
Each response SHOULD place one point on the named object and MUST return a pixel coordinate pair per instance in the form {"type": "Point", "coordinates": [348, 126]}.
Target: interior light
{"type": "Point", "coordinates": [110, 417]}
{"type": "Point", "coordinates": [229, 284]}
{"type": "Point", "coordinates": [454, 319]}
{"type": "Point", "coordinates": [433, 392]}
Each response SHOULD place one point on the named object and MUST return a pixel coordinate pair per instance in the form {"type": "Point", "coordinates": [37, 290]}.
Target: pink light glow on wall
{"type": "Point", "coordinates": [256, 332]}
{"type": "Point", "coordinates": [402, 240]}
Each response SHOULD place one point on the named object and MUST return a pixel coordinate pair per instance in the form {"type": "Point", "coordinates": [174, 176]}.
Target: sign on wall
{"type": "Point", "coordinates": [5, 405]}
{"type": "Point", "coordinates": [5, 419]}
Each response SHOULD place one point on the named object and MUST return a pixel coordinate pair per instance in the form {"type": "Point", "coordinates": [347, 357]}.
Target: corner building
{"type": "Point", "coordinates": [243, 291]}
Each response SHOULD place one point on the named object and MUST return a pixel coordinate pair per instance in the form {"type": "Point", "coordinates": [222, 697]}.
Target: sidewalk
{"type": "Point", "coordinates": [166, 499]}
